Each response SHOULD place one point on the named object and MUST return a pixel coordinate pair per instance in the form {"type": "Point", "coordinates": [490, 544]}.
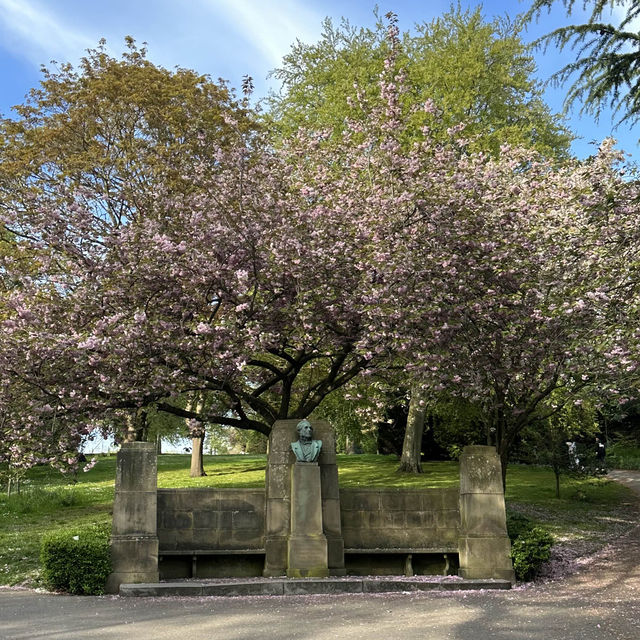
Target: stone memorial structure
{"type": "Point", "coordinates": [134, 537]}
{"type": "Point", "coordinates": [302, 524]}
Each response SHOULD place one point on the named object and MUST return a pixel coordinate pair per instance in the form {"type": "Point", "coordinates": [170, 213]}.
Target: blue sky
{"type": "Point", "coordinates": [233, 38]}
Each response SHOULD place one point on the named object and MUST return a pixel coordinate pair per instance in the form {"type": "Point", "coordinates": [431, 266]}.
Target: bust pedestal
{"type": "Point", "coordinates": [307, 545]}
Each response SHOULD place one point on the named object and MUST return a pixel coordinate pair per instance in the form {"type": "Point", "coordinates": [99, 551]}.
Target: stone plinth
{"type": "Point", "coordinates": [483, 545]}
{"type": "Point", "coordinates": [278, 497]}
{"type": "Point", "coordinates": [134, 539]}
{"type": "Point", "coordinates": [307, 544]}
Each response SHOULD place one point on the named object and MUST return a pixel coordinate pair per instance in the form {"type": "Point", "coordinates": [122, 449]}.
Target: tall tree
{"type": "Point", "coordinates": [470, 70]}
{"type": "Point", "coordinates": [285, 272]}
{"type": "Point", "coordinates": [477, 72]}
{"type": "Point", "coordinates": [607, 69]}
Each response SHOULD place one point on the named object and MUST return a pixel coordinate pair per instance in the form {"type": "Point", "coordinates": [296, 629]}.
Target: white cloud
{"type": "Point", "coordinates": [270, 27]}
{"type": "Point", "coordinates": [31, 31]}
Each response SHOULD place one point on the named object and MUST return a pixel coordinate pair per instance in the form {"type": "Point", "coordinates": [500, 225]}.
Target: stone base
{"type": "Point", "coordinates": [488, 557]}
{"type": "Point", "coordinates": [133, 559]}
{"type": "Point", "coordinates": [307, 557]}
{"type": "Point", "coordinates": [129, 577]}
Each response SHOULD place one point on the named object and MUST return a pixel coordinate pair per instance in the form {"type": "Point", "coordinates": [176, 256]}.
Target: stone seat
{"type": "Point", "coordinates": [194, 554]}
{"type": "Point", "coordinates": [408, 554]}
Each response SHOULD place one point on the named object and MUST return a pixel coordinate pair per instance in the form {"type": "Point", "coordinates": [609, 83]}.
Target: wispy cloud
{"type": "Point", "coordinates": [31, 31]}
{"type": "Point", "coordinates": [269, 27]}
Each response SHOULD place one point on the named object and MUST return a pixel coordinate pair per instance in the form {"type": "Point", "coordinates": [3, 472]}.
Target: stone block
{"type": "Point", "coordinates": [183, 538]}
{"type": "Point", "coordinates": [278, 517]}
{"type": "Point", "coordinates": [335, 556]}
{"type": "Point", "coordinates": [275, 563]}
{"type": "Point", "coordinates": [237, 501]}
{"type": "Point", "coordinates": [177, 520]}
{"type": "Point", "coordinates": [136, 467]}
{"type": "Point", "coordinates": [307, 556]}
{"type": "Point", "coordinates": [329, 482]}
{"type": "Point", "coordinates": [134, 512]}
{"type": "Point", "coordinates": [205, 519]}
{"type": "Point", "coordinates": [398, 519]}
{"type": "Point", "coordinates": [331, 517]}
{"type": "Point", "coordinates": [246, 539]}
{"type": "Point", "coordinates": [247, 520]}
{"type": "Point", "coordinates": [480, 470]}
{"type": "Point", "coordinates": [485, 558]}
{"type": "Point", "coordinates": [243, 589]}
{"type": "Point", "coordinates": [400, 501]}
{"type": "Point", "coordinates": [483, 514]}
{"type": "Point", "coordinates": [360, 500]}
{"type": "Point", "coordinates": [129, 553]}
{"type": "Point", "coordinates": [306, 505]}
{"type": "Point", "coordinates": [206, 539]}
{"type": "Point", "coordinates": [308, 587]}
{"type": "Point", "coordinates": [278, 481]}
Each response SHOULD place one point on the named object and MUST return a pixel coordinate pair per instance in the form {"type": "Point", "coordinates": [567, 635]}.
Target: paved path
{"type": "Point", "coordinates": [602, 602]}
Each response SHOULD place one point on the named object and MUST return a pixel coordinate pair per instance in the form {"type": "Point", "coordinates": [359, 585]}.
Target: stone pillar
{"type": "Point", "coordinates": [307, 545]}
{"type": "Point", "coordinates": [134, 539]}
{"type": "Point", "coordinates": [484, 547]}
{"type": "Point", "coordinates": [278, 492]}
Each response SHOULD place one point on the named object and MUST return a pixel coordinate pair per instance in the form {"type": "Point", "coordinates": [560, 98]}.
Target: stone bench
{"type": "Point", "coordinates": [194, 554]}
{"type": "Point", "coordinates": [408, 554]}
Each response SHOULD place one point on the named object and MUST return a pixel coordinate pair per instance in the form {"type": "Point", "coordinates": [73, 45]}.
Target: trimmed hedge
{"type": "Point", "coordinates": [76, 561]}
{"type": "Point", "coordinates": [530, 546]}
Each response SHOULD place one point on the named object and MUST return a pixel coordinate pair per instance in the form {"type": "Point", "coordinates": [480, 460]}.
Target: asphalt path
{"type": "Point", "coordinates": [602, 601]}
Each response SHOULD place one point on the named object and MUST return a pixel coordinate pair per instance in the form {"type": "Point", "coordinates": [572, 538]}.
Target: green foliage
{"type": "Point", "coordinates": [529, 551]}
{"type": "Point", "coordinates": [476, 72]}
{"type": "Point", "coordinates": [76, 561]}
{"type": "Point", "coordinates": [606, 69]}
{"type": "Point", "coordinates": [518, 525]}
{"type": "Point", "coordinates": [624, 454]}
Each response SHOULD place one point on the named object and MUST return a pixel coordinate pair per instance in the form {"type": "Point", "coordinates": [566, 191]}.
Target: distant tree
{"type": "Point", "coordinates": [607, 69]}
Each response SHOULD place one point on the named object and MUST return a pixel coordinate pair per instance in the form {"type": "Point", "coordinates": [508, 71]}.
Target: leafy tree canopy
{"type": "Point", "coordinates": [475, 72]}
{"type": "Point", "coordinates": [607, 69]}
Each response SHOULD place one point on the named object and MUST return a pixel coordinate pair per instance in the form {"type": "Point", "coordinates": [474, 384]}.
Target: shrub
{"type": "Point", "coordinates": [529, 550]}
{"type": "Point", "coordinates": [517, 525]}
{"type": "Point", "coordinates": [76, 561]}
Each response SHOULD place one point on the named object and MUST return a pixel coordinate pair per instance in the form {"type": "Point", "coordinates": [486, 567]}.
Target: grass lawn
{"type": "Point", "coordinates": [590, 510]}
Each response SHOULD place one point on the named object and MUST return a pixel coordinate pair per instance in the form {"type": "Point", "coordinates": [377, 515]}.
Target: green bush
{"type": "Point", "coordinates": [518, 525]}
{"type": "Point", "coordinates": [78, 562]}
{"type": "Point", "coordinates": [529, 550]}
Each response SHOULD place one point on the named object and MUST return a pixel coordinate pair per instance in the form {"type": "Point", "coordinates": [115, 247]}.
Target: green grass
{"type": "Point", "coordinates": [624, 455]}
{"type": "Point", "coordinates": [589, 509]}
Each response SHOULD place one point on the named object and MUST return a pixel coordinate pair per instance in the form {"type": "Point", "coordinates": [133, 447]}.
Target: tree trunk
{"type": "Point", "coordinates": [412, 445]}
{"type": "Point", "coordinates": [159, 444]}
{"type": "Point", "coordinates": [197, 462]}
{"type": "Point", "coordinates": [197, 441]}
{"type": "Point", "coordinates": [137, 428]}
{"type": "Point", "coordinates": [557, 483]}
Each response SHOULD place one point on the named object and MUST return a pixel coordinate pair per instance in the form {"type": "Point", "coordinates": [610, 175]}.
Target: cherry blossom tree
{"type": "Point", "coordinates": [284, 273]}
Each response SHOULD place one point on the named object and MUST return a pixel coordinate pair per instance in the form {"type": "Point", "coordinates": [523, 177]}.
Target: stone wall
{"type": "Point", "coordinates": [229, 519]}
{"type": "Point", "coordinates": [393, 518]}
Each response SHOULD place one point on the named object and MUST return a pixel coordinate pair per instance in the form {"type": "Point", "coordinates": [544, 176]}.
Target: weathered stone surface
{"type": "Point", "coordinates": [307, 556]}
{"type": "Point", "coordinates": [134, 541]}
{"type": "Point", "coordinates": [331, 517]}
{"type": "Point", "coordinates": [136, 467]}
{"type": "Point", "coordinates": [275, 564]}
{"type": "Point", "coordinates": [480, 470]}
{"type": "Point", "coordinates": [244, 589]}
{"type": "Point", "coordinates": [278, 517]}
{"type": "Point", "coordinates": [306, 503]}
{"type": "Point", "coordinates": [484, 548]}
{"type": "Point", "coordinates": [307, 587]}
{"type": "Point", "coordinates": [483, 514]}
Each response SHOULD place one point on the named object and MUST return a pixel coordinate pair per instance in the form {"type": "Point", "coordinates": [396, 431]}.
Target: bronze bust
{"type": "Point", "coordinates": [306, 448]}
